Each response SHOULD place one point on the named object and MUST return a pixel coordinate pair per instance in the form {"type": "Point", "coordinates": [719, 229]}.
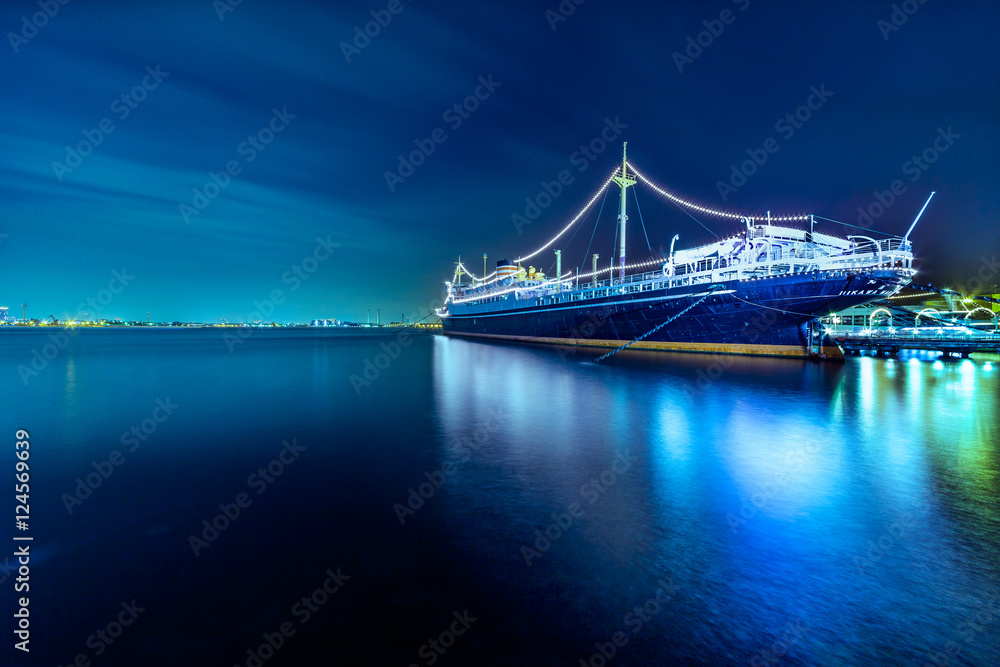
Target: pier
{"type": "Point", "coordinates": [950, 342]}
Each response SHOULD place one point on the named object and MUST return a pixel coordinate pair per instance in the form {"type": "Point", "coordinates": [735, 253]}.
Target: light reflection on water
{"type": "Point", "coordinates": [762, 487]}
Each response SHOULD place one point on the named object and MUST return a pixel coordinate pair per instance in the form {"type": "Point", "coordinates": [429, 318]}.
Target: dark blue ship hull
{"type": "Point", "coordinates": [774, 316]}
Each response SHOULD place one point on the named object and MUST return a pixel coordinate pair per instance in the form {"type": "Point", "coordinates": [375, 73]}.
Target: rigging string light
{"type": "Point", "coordinates": [573, 221]}
{"type": "Point", "coordinates": [547, 283]}
{"type": "Point", "coordinates": [492, 278]}
{"type": "Point", "coordinates": [555, 238]}
{"type": "Point", "coordinates": [702, 209]}
{"type": "Point", "coordinates": [565, 276]}
{"type": "Point", "coordinates": [637, 265]}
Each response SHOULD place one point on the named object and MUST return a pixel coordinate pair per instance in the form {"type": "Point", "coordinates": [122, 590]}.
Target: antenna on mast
{"type": "Point", "coordinates": [907, 236]}
{"type": "Point", "coordinates": [624, 181]}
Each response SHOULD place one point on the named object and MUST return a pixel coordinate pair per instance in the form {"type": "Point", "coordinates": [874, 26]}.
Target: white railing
{"type": "Point", "coordinates": [868, 254]}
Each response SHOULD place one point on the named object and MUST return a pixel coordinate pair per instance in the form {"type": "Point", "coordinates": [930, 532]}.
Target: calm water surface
{"type": "Point", "coordinates": [494, 504]}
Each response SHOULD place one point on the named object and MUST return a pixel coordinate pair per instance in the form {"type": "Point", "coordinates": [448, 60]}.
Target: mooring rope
{"type": "Point", "coordinates": [659, 326]}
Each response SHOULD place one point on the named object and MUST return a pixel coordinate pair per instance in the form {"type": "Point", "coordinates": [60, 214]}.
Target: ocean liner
{"type": "Point", "coordinates": [760, 291]}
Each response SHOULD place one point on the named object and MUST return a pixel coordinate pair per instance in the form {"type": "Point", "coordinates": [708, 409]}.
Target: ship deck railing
{"type": "Point", "coordinates": [704, 272]}
{"type": "Point", "coordinates": [948, 334]}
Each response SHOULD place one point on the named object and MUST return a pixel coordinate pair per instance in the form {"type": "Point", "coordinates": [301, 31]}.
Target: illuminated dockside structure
{"type": "Point", "coordinates": [760, 291]}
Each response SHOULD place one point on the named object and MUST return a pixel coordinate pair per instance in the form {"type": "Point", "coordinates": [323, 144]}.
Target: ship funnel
{"type": "Point", "coordinates": [505, 269]}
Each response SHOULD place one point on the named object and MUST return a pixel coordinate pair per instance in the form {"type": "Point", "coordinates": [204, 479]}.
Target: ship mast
{"type": "Point", "coordinates": [624, 181]}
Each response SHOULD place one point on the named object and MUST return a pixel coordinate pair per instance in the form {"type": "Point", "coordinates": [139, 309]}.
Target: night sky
{"type": "Point", "coordinates": [312, 116]}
